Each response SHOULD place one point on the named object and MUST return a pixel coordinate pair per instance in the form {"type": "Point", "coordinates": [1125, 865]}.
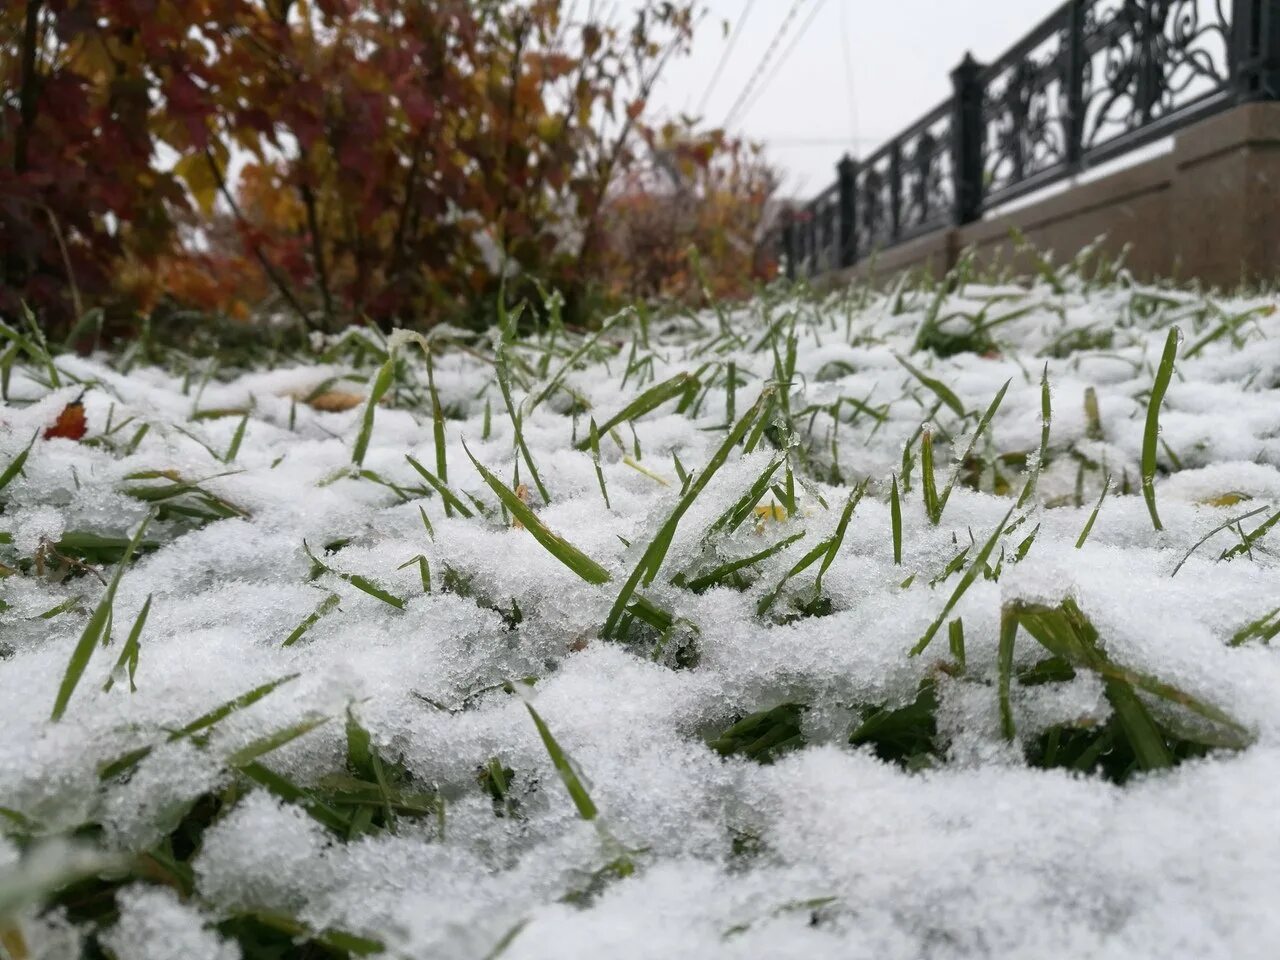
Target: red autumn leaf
{"type": "Point", "coordinates": [71, 423]}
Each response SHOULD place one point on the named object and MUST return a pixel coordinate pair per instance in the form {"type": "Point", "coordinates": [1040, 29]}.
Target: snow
{"type": "Point", "coordinates": [848, 856]}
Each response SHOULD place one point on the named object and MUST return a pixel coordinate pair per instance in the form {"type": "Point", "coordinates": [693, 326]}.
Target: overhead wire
{"type": "Point", "coordinates": [762, 63]}
{"type": "Point", "coordinates": [724, 58]}
{"type": "Point", "coordinates": [848, 72]}
{"type": "Point", "coordinates": [795, 41]}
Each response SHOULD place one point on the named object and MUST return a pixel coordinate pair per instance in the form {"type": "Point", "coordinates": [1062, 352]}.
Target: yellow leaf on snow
{"type": "Point", "coordinates": [774, 511]}
{"type": "Point", "coordinates": [1229, 499]}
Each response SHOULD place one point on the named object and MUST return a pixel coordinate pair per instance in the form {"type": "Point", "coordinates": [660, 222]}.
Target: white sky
{"type": "Point", "coordinates": [814, 107]}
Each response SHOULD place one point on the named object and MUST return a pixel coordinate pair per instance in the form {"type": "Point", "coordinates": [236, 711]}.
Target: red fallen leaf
{"type": "Point", "coordinates": [71, 423]}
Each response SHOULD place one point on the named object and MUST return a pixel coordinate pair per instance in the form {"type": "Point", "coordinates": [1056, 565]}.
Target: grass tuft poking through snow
{"type": "Point", "coordinates": [838, 626]}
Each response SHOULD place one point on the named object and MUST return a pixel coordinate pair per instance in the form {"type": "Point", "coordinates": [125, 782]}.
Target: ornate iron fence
{"type": "Point", "coordinates": [1096, 79]}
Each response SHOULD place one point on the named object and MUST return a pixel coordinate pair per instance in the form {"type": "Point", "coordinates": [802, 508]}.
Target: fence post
{"type": "Point", "coordinates": [812, 239]}
{"type": "Point", "coordinates": [895, 190]}
{"type": "Point", "coordinates": [966, 140]}
{"type": "Point", "coordinates": [789, 241]}
{"type": "Point", "coordinates": [1077, 59]}
{"type": "Point", "coordinates": [847, 236]}
{"type": "Point", "coordinates": [1255, 49]}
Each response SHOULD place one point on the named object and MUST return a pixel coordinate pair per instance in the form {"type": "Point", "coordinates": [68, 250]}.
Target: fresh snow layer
{"type": "Point", "coordinates": [980, 856]}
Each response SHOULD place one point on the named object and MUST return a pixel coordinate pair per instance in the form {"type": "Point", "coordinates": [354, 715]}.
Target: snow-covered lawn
{"type": "Point", "coordinates": [386, 707]}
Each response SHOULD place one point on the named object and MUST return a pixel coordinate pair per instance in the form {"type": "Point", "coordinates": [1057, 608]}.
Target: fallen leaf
{"type": "Point", "coordinates": [335, 401]}
{"type": "Point", "coordinates": [71, 423]}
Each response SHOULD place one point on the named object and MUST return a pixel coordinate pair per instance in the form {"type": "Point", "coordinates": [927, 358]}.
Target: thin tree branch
{"type": "Point", "coordinates": [270, 269]}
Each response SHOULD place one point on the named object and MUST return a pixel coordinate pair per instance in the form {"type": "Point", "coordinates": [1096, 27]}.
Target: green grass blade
{"type": "Point", "coordinates": [928, 481]}
{"type": "Point", "coordinates": [1088, 526]}
{"type": "Point", "coordinates": [1046, 418]}
{"type": "Point", "coordinates": [381, 384]}
{"type": "Point", "coordinates": [722, 572]}
{"type": "Point", "coordinates": [1151, 433]}
{"type": "Point", "coordinates": [448, 496]}
{"type": "Point", "coordinates": [895, 520]}
{"type": "Point", "coordinates": [937, 387]}
{"type": "Point", "coordinates": [1008, 635]}
{"type": "Point", "coordinates": [572, 782]}
{"type": "Point", "coordinates": [654, 554]}
{"type": "Point", "coordinates": [594, 439]}
{"type": "Point", "coordinates": [236, 439]}
{"type": "Point", "coordinates": [327, 605]}
{"type": "Point", "coordinates": [20, 461]}
{"type": "Point", "coordinates": [363, 584]}
{"type": "Point", "coordinates": [437, 426]}
{"type": "Point", "coordinates": [557, 546]}
{"type": "Point", "coordinates": [93, 630]}
{"type": "Point", "coordinates": [129, 654]}
{"type": "Point", "coordinates": [971, 574]}
{"type": "Point", "coordinates": [646, 402]}
{"type": "Point", "coordinates": [734, 517]}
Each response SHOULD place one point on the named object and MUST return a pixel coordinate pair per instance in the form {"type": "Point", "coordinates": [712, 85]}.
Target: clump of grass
{"type": "Point", "coordinates": [763, 736]}
{"type": "Point", "coordinates": [1135, 739]}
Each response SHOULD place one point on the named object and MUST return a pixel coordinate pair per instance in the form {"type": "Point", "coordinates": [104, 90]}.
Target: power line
{"type": "Point", "coordinates": [795, 41]}
{"type": "Point", "coordinates": [764, 62]}
{"type": "Point", "coordinates": [848, 72]}
{"type": "Point", "coordinates": [724, 57]}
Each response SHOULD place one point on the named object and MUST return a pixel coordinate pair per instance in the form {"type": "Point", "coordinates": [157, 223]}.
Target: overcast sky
{"type": "Point", "coordinates": [860, 70]}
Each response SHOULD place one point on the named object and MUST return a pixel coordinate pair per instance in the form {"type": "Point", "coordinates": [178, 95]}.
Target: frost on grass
{"type": "Point", "coordinates": [834, 649]}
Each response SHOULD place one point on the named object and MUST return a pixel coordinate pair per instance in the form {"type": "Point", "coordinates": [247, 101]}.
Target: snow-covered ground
{"type": "Point", "coordinates": [380, 782]}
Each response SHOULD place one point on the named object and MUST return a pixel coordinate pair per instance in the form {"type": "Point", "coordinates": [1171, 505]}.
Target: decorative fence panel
{"type": "Point", "coordinates": [1095, 80]}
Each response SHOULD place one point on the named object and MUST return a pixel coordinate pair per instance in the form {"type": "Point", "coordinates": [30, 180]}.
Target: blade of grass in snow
{"type": "Point", "coordinates": [646, 402]}
{"type": "Point", "coordinates": [94, 629]}
{"type": "Point", "coordinates": [837, 538]}
{"type": "Point", "coordinates": [424, 570]}
{"type": "Point", "coordinates": [360, 583]}
{"type": "Point", "coordinates": [129, 654]}
{"type": "Point", "coordinates": [722, 572]}
{"type": "Point", "coordinates": [327, 605]}
{"type": "Point", "coordinates": [557, 546]}
{"type": "Point", "coordinates": [654, 554]}
{"type": "Point", "coordinates": [731, 519]}
{"type": "Point", "coordinates": [1151, 433]}
{"type": "Point", "coordinates": [939, 389]}
{"type": "Point", "coordinates": [15, 466]}
{"type": "Point", "coordinates": [895, 520]}
{"type": "Point", "coordinates": [202, 723]}
{"type": "Point", "coordinates": [437, 427]}
{"type": "Point", "coordinates": [1226, 525]}
{"type": "Point", "coordinates": [568, 776]}
{"type": "Point", "coordinates": [594, 439]}
{"type": "Point", "coordinates": [1046, 417]}
{"type": "Point", "coordinates": [236, 439]}
{"type": "Point", "coordinates": [1264, 628]}
{"type": "Point", "coordinates": [826, 551]}
{"type": "Point", "coordinates": [1088, 526]}
{"type": "Point", "coordinates": [1249, 539]}
{"type": "Point", "coordinates": [979, 563]}
{"type": "Point", "coordinates": [448, 496]}
{"type": "Point", "coordinates": [928, 482]}
{"type": "Point", "coordinates": [1004, 659]}
{"type": "Point", "coordinates": [381, 384]}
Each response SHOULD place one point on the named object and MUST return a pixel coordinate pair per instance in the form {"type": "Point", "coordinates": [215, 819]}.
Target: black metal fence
{"type": "Point", "coordinates": [1096, 79]}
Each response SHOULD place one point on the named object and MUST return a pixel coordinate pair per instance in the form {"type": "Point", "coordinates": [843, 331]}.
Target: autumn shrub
{"type": "Point", "coordinates": [386, 161]}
